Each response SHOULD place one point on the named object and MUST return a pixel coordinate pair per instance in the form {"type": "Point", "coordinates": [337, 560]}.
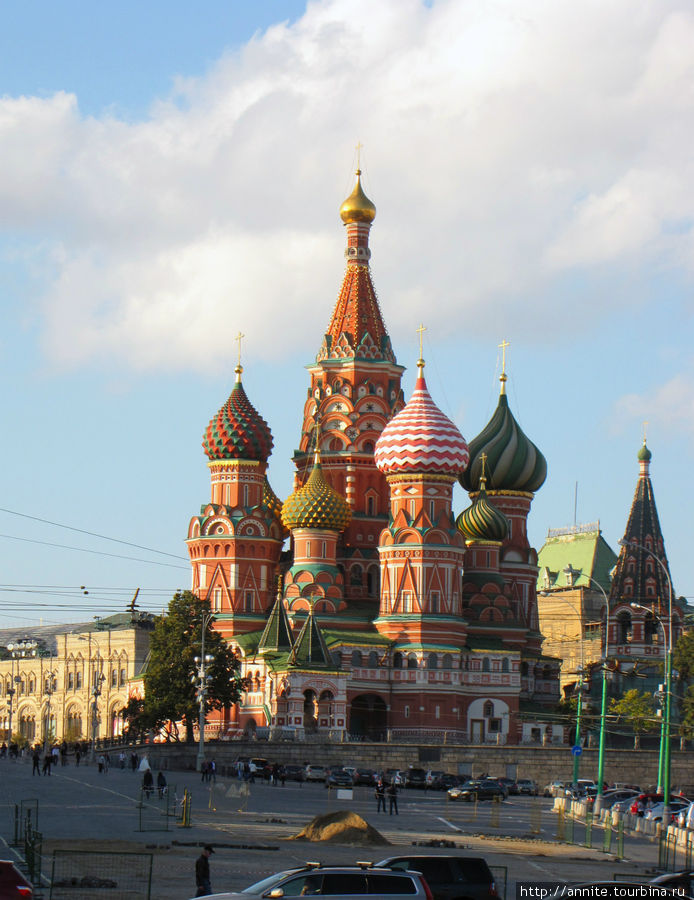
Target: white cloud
{"type": "Point", "coordinates": [669, 406]}
{"type": "Point", "coordinates": [506, 145]}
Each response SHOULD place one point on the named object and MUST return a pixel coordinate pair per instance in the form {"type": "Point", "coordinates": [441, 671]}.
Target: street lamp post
{"type": "Point", "coordinates": [99, 679]}
{"type": "Point", "coordinates": [661, 754]}
{"type": "Point", "coordinates": [201, 679]}
{"type": "Point", "coordinates": [18, 650]}
{"type": "Point", "coordinates": [668, 680]}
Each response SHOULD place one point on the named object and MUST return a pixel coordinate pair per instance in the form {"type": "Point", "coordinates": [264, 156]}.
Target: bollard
{"type": "Point", "coordinates": [494, 813]}
{"type": "Point", "coordinates": [589, 830]}
{"type": "Point", "coordinates": [16, 825]}
{"type": "Point", "coordinates": [607, 835]}
{"type": "Point", "coordinates": [536, 817]}
{"type": "Point", "coordinates": [561, 826]}
{"type": "Point", "coordinates": [620, 838]}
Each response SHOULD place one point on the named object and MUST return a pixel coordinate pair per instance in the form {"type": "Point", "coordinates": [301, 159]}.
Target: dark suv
{"type": "Point", "coordinates": [449, 877]}
{"type": "Point", "coordinates": [361, 880]}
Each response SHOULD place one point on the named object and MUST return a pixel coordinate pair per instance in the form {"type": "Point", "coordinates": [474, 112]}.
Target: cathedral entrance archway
{"type": "Point", "coordinates": [367, 717]}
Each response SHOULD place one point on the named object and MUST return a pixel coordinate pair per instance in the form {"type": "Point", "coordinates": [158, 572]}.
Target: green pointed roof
{"type": "Point", "coordinates": [581, 547]}
{"type": "Point", "coordinates": [277, 634]}
{"type": "Point", "coordinates": [310, 648]}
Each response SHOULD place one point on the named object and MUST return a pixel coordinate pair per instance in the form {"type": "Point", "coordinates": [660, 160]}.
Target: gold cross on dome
{"type": "Point", "coordinates": [421, 330]}
{"type": "Point", "coordinates": [483, 460]}
{"type": "Point", "coordinates": [239, 337]}
{"type": "Point", "coordinates": [358, 149]}
{"type": "Point", "coordinates": [502, 346]}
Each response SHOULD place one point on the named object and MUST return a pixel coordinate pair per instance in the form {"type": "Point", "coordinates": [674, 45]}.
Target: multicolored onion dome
{"type": "Point", "coordinates": [644, 454]}
{"type": "Point", "coordinates": [274, 505]}
{"type": "Point", "coordinates": [238, 431]}
{"type": "Point", "coordinates": [421, 438]}
{"type": "Point", "coordinates": [513, 462]}
{"type": "Point", "coordinates": [316, 505]}
{"type": "Point", "coordinates": [357, 207]}
{"type": "Point", "coordinates": [482, 521]}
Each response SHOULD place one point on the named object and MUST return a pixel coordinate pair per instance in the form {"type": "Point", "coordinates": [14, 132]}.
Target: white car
{"type": "Point", "coordinates": [315, 773]}
{"type": "Point", "coordinates": [655, 813]}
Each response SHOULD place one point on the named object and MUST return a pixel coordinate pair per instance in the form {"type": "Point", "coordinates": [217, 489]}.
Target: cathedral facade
{"type": "Point", "coordinates": [388, 615]}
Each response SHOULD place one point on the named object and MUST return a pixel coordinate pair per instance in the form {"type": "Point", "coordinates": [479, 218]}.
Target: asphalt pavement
{"type": "Point", "coordinates": [250, 825]}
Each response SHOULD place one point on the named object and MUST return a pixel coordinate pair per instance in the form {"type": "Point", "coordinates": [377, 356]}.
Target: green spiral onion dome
{"type": "Point", "coordinates": [482, 521]}
{"type": "Point", "coordinates": [274, 505]}
{"type": "Point", "coordinates": [316, 505]}
{"type": "Point", "coordinates": [238, 431]}
{"type": "Point", "coordinates": [644, 454]}
{"type": "Point", "coordinates": [513, 462]}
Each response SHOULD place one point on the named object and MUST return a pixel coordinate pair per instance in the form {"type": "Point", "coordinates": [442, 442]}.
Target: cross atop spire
{"type": "Point", "coordinates": [358, 149]}
{"type": "Point", "coordinates": [503, 377]}
{"type": "Point", "coordinates": [645, 430]}
{"type": "Point", "coordinates": [420, 361]}
{"type": "Point", "coordinates": [239, 368]}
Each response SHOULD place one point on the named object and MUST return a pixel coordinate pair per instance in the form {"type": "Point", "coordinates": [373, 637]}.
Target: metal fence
{"type": "Point", "coordinates": [84, 875]}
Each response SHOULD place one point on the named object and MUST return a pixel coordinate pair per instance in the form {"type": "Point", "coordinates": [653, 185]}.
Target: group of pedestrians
{"type": "Point", "coordinates": [208, 770]}
{"type": "Point", "coordinates": [390, 791]}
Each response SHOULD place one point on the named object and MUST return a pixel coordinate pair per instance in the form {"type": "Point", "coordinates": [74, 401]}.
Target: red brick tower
{"type": "Point", "coordinates": [354, 391]}
{"type": "Point", "coordinates": [235, 542]}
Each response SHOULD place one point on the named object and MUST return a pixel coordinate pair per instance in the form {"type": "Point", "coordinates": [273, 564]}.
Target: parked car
{"type": "Point", "coordinates": [555, 789]}
{"type": "Point", "coordinates": [644, 801]}
{"type": "Point", "coordinates": [337, 881]}
{"type": "Point", "coordinates": [13, 885]}
{"type": "Point", "coordinates": [315, 773]}
{"type": "Point", "coordinates": [394, 775]}
{"type": "Point", "coordinates": [685, 817]}
{"type": "Point", "coordinates": [678, 881]}
{"type": "Point", "coordinates": [509, 783]}
{"type": "Point", "coordinates": [365, 776]}
{"type": "Point", "coordinates": [479, 789]}
{"type": "Point", "coordinates": [415, 778]}
{"type": "Point", "coordinates": [449, 781]}
{"type": "Point", "coordinates": [655, 813]}
{"type": "Point", "coordinates": [338, 778]}
{"type": "Point", "coordinates": [434, 777]}
{"type": "Point", "coordinates": [526, 786]}
{"type": "Point", "coordinates": [611, 799]}
{"type": "Point", "coordinates": [294, 773]}
{"type": "Point", "coordinates": [449, 877]}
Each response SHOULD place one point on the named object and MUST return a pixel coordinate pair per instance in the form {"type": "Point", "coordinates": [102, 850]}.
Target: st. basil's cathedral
{"type": "Point", "coordinates": [388, 616]}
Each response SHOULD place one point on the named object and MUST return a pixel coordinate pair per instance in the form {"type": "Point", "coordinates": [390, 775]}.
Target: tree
{"type": "Point", "coordinates": [636, 709]}
{"type": "Point", "coordinates": [686, 726]}
{"type": "Point", "coordinates": [169, 677]}
{"type": "Point", "coordinates": [683, 656]}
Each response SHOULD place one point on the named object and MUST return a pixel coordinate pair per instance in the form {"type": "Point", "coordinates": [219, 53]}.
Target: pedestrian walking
{"type": "Point", "coordinates": [392, 797]}
{"type": "Point", "coordinates": [47, 759]}
{"type": "Point", "coordinates": [161, 784]}
{"type": "Point", "coordinates": [36, 759]}
{"type": "Point", "coordinates": [78, 754]}
{"type": "Point", "coordinates": [283, 775]}
{"type": "Point", "coordinates": [380, 796]}
{"type": "Point", "coordinates": [202, 872]}
{"type": "Point", "coordinates": [101, 762]}
{"type": "Point", "coordinates": [212, 771]}
{"type": "Point", "coordinates": [121, 759]}
{"type": "Point", "coordinates": [148, 783]}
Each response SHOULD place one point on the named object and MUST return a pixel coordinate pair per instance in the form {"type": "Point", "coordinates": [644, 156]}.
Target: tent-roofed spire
{"type": "Point", "coordinates": [637, 577]}
{"type": "Point", "coordinates": [277, 634]}
{"type": "Point", "coordinates": [310, 648]}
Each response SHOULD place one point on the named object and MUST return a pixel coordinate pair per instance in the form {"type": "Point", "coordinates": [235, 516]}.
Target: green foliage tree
{"type": "Point", "coordinates": [686, 726]}
{"type": "Point", "coordinates": [683, 656]}
{"type": "Point", "coordinates": [169, 679]}
{"type": "Point", "coordinates": [636, 709]}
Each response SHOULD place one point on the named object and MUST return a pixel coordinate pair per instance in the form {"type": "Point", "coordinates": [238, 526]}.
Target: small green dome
{"type": "Point", "coordinates": [644, 454]}
{"type": "Point", "coordinates": [482, 521]}
{"type": "Point", "coordinates": [316, 505]}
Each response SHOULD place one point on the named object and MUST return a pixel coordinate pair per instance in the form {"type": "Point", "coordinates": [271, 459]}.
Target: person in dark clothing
{"type": "Point", "coordinates": [202, 872]}
{"type": "Point", "coordinates": [36, 758]}
{"type": "Point", "coordinates": [148, 783]}
{"type": "Point", "coordinates": [380, 796]}
{"type": "Point", "coordinates": [161, 784]}
{"type": "Point", "coordinates": [392, 798]}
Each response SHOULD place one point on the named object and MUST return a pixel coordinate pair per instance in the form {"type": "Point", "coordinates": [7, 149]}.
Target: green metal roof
{"type": "Point", "coordinates": [586, 552]}
{"type": "Point", "coordinates": [277, 634]}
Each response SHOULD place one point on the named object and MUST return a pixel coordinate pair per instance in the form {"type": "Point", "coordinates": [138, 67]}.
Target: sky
{"type": "Point", "coordinates": [172, 174]}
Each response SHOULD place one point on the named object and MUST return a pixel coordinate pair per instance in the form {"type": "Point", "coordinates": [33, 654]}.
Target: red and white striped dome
{"type": "Point", "coordinates": [421, 439]}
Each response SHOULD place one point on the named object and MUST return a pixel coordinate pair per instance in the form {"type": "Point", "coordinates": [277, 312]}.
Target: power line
{"type": "Point", "coordinates": [149, 562]}
{"type": "Point", "coordinates": [103, 537]}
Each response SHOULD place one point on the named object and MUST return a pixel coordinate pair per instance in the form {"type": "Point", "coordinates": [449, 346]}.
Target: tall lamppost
{"type": "Point", "coordinates": [20, 649]}
{"type": "Point", "coordinates": [661, 754]}
{"type": "Point", "coordinates": [48, 690]}
{"type": "Point", "coordinates": [668, 679]}
{"type": "Point", "coordinates": [201, 679]}
{"type": "Point", "coordinates": [99, 679]}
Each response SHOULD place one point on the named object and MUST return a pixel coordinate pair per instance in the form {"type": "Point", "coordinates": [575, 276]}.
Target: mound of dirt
{"type": "Point", "coordinates": [341, 828]}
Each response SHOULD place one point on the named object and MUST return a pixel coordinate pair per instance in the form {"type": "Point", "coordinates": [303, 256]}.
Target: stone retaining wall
{"type": "Point", "coordinates": [543, 764]}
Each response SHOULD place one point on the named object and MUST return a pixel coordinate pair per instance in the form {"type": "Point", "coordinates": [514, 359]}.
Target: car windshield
{"type": "Point", "coordinates": [261, 886]}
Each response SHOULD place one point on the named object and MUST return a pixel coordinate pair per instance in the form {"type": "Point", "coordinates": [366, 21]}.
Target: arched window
{"type": "Point", "coordinates": [372, 581]}
{"type": "Point", "coordinates": [624, 627]}
{"type": "Point", "coordinates": [504, 665]}
{"type": "Point", "coordinates": [650, 629]}
{"type": "Point", "coordinates": [356, 659]}
{"type": "Point", "coordinates": [485, 664]}
{"type": "Point", "coordinates": [524, 669]}
{"type": "Point", "coordinates": [447, 662]}
{"type": "Point", "coordinates": [356, 575]}
{"type": "Point", "coordinates": [411, 661]}
{"type": "Point", "coordinates": [397, 661]}
{"type": "Point", "coordinates": [488, 709]}
{"type": "Point", "coordinates": [373, 660]}
{"type": "Point", "coordinates": [432, 661]}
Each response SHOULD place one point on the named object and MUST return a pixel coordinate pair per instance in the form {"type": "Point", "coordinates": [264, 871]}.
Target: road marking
{"type": "Point", "coordinates": [450, 824]}
{"type": "Point", "coordinates": [542, 868]}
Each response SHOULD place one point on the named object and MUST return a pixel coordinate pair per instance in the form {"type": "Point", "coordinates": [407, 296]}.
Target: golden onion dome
{"type": "Point", "coordinates": [316, 505]}
{"type": "Point", "coordinates": [357, 207]}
